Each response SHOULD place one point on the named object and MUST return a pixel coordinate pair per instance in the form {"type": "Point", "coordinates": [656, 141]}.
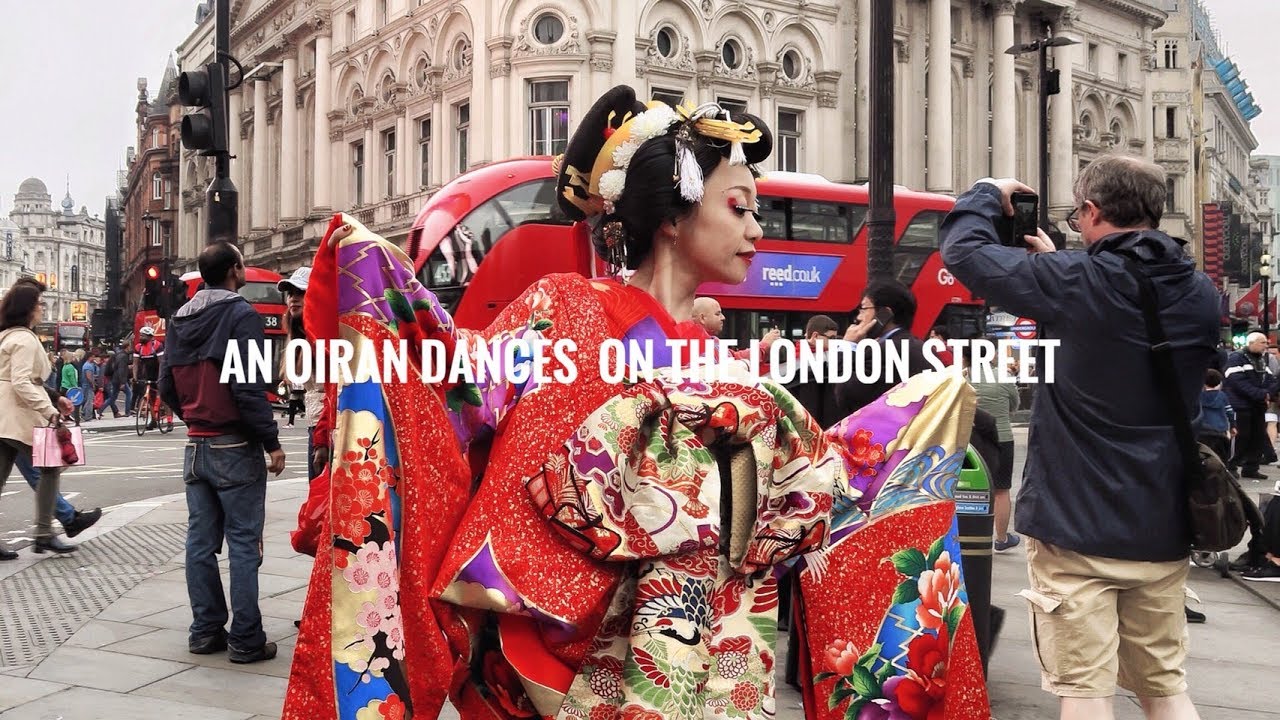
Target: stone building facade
{"type": "Point", "coordinates": [368, 106]}
{"type": "Point", "coordinates": [149, 200]}
{"type": "Point", "coordinates": [62, 247]}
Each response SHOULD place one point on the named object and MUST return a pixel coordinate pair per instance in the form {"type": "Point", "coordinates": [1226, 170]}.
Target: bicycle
{"type": "Point", "coordinates": [150, 407]}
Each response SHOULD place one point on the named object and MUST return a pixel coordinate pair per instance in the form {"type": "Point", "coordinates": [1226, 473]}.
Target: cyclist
{"type": "Point", "coordinates": [146, 369]}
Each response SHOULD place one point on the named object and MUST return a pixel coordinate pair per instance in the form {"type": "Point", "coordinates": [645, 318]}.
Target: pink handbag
{"type": "Point", "coordinates": [57, 446]}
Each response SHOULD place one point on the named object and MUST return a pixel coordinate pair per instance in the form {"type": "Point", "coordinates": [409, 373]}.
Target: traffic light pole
{"type": "Point", "coordinates": [221, 200]}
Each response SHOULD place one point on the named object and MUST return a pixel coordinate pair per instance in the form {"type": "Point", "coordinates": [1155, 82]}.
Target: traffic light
{"type": "Point", "coordinates": [151, 295]}
{"type": "Point", "coordinates": [1053, 82]}
{"type": "Point", "coordinates": [206, 128]}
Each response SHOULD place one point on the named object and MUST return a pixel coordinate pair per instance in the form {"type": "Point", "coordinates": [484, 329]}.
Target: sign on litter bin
{"type": "Point", "coordinates": [977, 524]}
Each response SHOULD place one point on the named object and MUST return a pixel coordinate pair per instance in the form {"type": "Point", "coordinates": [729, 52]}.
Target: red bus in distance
{"type": "Point", "coordinates": [261, 292]}
{"type": "Point", "coordinates": [482, 239]}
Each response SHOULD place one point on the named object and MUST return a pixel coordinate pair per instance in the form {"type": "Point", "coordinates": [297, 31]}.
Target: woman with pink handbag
{"type": "Point", "coordinates": [23, 368]}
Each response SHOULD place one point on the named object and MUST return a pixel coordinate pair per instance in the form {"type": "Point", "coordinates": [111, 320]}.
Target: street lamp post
{"type": "Point", "coordinates": [880, 214]}
{"type": "Point", "coordinates": [1264, 274]}
{"type": "Point", "coordinates": [1049, 85]}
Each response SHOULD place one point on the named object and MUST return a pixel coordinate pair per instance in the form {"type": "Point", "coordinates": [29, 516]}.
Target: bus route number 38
{"type": "Point", "coordinates": [270, 322]}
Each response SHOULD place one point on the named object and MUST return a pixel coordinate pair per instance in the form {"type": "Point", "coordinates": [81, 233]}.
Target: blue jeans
{"type": "Point", "coordinates": [109, 401]}
{"type": "Point", "coordinates": [62, 510]}
{"type": "Point", "coordinates": [226, 480]}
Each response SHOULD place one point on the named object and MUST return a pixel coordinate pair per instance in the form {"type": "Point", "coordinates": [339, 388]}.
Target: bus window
{"type": "Point", "coordinates": [773, 218]}
{"type": "Point", "coordinates": [821, 221]}
{"type": "Point", "coordinates": [262, 293]}
{"type": "Point", "coordinates": [918, 242]}
{"type": "Point", "coordinates": [810, 220]}
{"type": "Point", "coordinates": [533, 202]}
{"type": "Point", "coordinates": [454, 262]}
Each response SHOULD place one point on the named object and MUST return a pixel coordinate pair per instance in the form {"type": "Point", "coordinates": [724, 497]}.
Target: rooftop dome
{"type": "Point", "coordinates": [33, 186]}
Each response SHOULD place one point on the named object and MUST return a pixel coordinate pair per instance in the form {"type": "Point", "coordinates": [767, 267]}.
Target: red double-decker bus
{"type": "Point", "coordinates": [261, 292]}
{"type": "Point", "coordinates": [490, 233]}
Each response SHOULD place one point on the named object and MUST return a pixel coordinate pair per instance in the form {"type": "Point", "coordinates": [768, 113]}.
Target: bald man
{"type": "Point", "coordinates": [1249, 384]}
{"type": "Point", "coordinates": [707, 313]}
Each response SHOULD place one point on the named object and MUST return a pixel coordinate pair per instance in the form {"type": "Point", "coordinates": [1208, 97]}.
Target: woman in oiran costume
{"type": "Point", "coordinates": [618, 554]}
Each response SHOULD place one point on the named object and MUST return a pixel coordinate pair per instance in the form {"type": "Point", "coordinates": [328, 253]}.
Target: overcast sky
{"type": "Point", "coordinates": [68, 86]}
{"type": "Point", "coordinates": [70, 69]}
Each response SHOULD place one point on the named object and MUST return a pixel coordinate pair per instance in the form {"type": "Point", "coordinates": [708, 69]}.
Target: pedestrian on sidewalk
{"type": "Point", "coordinates": [73, 521]}
{"type": "Point", "coordinates": [1000, 400]}
{"type": "Point", "coordinates": [1250, 387]}
{"type": "Point", "coordinates": [1101, 504]}
{"type": "Point", "coordinates": [1216, 423]}
{"type": "Point", "coordinates": [70, 377]}
{"type": "Point", "coordinates": [305, 397]}
{"type": "Point", "coordinates": [229, 426]}
{"type": "Point", "coordinates": [27, 403]}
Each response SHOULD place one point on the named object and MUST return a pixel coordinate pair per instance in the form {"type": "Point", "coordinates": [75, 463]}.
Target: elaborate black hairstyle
{"type": "Point", "coordinates": [630, 168]}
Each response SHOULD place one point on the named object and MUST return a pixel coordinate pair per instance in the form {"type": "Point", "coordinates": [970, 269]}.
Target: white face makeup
{"type": "Point", "coordinates": [719, 236]}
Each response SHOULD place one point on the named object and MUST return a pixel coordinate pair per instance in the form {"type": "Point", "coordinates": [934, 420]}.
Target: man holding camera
{"type": "Point", "coordinates": [1102, 502]}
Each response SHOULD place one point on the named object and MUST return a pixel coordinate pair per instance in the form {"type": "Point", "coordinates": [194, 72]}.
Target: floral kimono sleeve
{"type": "Point", "coordinates": [906, 647]}
{"type": "Point", "coordinates": [464, 367]}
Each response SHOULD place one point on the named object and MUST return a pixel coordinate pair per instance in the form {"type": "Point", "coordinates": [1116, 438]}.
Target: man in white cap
{"type": "Point", "coordinates": [1249, 383]}
{"type": "Point", "coordinates": [294, 288]}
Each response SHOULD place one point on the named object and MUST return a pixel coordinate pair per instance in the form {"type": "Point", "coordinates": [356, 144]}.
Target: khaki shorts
{"type": "Point", "coordinates": [1095, 620]}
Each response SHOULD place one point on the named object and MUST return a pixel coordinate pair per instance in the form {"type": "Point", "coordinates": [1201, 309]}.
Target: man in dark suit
{"type": "Point", "coordinates": [885, 314]}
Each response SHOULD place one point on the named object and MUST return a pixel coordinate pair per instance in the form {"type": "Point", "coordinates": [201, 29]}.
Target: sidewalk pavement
{"type": "Point", "coordinates": [102, 634]}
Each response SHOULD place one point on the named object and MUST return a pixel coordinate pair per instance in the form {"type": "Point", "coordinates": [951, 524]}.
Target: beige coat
{"type": "Point", "coordinates": [24, 404]}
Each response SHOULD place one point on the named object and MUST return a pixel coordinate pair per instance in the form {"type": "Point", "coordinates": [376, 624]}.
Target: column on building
{"type": "Point", "coordinates": [625, 21]}
{"type": "Point", "coordinates": [404, 152]}
{"type": "Point", "coordinates": [862, 101]}
{"type": "Point", "coordinates": [769, 112]}
{"type": "Point", "coordinates": [481, 94]}
{"type": "Point", "coordinates": [941, 117]}
{"type": "Point", "coordinates": [235, 102]}
{"type": "Point", "coordinates": [258, 201]}
{"type": "Point", "coordinates": [372, 161]}
{"type": "Point", "coordinates": [1062, 122]}
{"type": "Point", "coordinates": [912, 141]}
{"type": "Point", "coordinates": [1004, 97]}
{"type": "Point", "coordinates": [322, 152]}
{"type": "Point", "coordinates": [289, 141]}
{"type": "Point", "coordinates": [440, 130]}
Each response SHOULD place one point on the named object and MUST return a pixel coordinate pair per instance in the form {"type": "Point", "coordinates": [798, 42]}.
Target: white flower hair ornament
{"type": "Point", "coordinates": [704, 120]}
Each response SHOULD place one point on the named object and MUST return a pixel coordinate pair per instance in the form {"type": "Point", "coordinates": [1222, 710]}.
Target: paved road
{"type": "Point", "coordinates": [122, 467]}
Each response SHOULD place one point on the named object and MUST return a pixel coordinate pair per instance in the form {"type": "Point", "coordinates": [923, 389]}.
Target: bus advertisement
{"type": "Point", "coordinates": [490, 233]}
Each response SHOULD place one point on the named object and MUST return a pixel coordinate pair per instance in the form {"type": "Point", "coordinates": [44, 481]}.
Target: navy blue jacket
{"type": "Point", "coordinates": [1103, 474]}
{"type": "Point", "coordinates": [1247, 381]}
{"type": "Point", "coordinates": [191, 367]}
{"type": "Point", "coordinates": [1216, 415]}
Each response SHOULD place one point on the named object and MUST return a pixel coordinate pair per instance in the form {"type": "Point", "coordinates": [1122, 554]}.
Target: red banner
{"type": "Point", "coordinates": [1250, 305]}
{"type": "Point", "coordinates": [1215, 230]}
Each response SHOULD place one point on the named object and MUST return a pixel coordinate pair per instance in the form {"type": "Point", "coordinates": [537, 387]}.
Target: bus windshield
{"type": "Point", "coordinates": [262, 293]}
{"type": "Point", "coordinates": [71, 331]}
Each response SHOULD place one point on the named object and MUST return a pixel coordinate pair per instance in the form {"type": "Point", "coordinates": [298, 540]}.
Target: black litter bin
{"type": "Point", "coordinates": [977, 523]}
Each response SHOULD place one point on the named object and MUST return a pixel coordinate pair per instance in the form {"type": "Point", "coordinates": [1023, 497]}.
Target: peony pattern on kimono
{"type": "Point", "coordinates": [884, 683]}
{"type": "Point", "coordinates": [692, 632]}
